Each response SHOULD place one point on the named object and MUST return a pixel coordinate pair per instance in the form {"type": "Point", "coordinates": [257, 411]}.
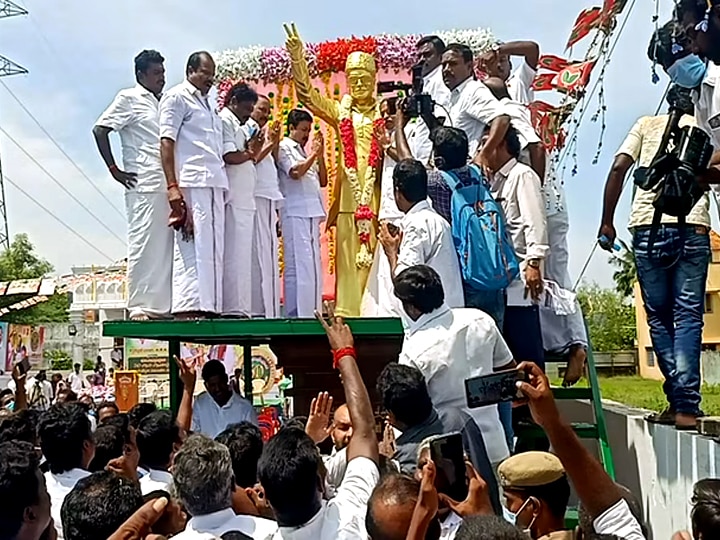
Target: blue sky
{"type": "Point", "coordinates": [79, 54]}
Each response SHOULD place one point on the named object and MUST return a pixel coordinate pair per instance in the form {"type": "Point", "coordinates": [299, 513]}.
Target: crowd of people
{"type": "Point", "coordinates": [74, 471]}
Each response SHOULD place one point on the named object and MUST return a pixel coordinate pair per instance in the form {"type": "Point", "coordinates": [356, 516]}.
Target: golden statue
{"type": "Point", "coordinates": [356, 199]}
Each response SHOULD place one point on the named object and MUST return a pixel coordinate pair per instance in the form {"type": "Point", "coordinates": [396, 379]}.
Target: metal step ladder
{"type": "Point", "coordinates": [584, 430]}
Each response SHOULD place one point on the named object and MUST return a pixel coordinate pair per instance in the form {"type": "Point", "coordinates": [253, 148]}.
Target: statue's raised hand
{"type": "Point", "coordinates": [293, 42]}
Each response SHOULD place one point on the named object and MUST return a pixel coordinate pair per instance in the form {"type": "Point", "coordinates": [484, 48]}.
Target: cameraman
{"type": "Point", "coordinates": [672, 278]}
{"type": "Point", "coordinates": [699, 20]}
{"type": "Point", "coordinates": [471, 106]}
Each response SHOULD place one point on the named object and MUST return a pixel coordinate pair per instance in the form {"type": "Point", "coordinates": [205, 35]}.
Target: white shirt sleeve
{"type": "Point", "coordinates": [361, 477]}
{"type": "Point", "coordinates": [525, 75]}
{"type": "Point", "coordinates": [117, 115]}
{"type": "Point", "coordinates": [285, 159]}
{"type": "Point", "coordinates": [229, 135]}
{"type": "Point", "coordinates": [483, 106]}
{"type": "Point", "coordinates": [619, 521]}
{"type": "Point", "coordinates": [532, 209]}
{"type": "Point", "coordinates": [412, 249]}
{"type": "Point", "coordinates": [172, 114]}
{"type": "Point", "coordinates": [195, 424]}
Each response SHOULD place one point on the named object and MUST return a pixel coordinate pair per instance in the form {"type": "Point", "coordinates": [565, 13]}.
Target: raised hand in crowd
{"type": "Point", "coordinates": [19, 378]}
{"type": "Point", "coordinates": [318, 424]}
{"type": "Point", "coordinates": [188, 376]}
{"type": "Point", "coordinates": [477, 501]}
{"type": "Point", "coordinates": [427, 504]}
{"type": "Point", "coordinates": [363, 442]}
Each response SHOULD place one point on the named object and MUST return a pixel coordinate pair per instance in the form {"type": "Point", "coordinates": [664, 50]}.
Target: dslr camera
{"type": "Point", "coordinates": [684, 153]}
{"type": "Point", "coordinates": [416, 103]}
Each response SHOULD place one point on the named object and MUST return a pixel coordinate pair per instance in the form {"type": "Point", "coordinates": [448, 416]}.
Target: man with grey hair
{"type": "Point", "coordinates": [204, 483]}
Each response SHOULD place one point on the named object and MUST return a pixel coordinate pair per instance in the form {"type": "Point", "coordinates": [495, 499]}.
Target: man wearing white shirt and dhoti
{"type": "Point", "coordinates": [424, 236]}
{"type": "Point", "coordinates": [301, 178]}
{"type": "Point", "coordinates": [430, 49]}
{"type": "Point", "coordinates": [268, 201]}
{"type": "Point", "coordinates": [134, 115]}
{"type": "Point", "coordinates": [191, 147]}
{"type": "Point", "coordinates": [240, 147]}
{"type": "Point", "coordinates": [561, 334]}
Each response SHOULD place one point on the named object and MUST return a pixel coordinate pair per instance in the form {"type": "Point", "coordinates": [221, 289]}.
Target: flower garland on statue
{"type": "Point", "coordinates": [362, 192]}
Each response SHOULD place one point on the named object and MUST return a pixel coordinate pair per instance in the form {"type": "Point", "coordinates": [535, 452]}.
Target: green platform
{"type": "Point", "coordinates": [300, 345]}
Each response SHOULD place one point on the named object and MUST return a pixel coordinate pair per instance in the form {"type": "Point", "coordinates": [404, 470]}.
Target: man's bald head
{"type": "Point", "coordinates": [342, 427]}
{"type": "Point", "coordinates": [497, 87]}
{"type": "Point", "coordinates": [391, 506]}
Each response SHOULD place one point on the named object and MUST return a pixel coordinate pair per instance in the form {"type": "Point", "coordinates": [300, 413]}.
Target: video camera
{"type": "Point", "coordinates": [416, 103]}
{"type": "Point", "coordinates": [684, 153]}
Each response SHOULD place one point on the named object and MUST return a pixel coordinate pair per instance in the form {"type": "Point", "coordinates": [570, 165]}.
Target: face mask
{"type": "Point", "coordinates": [511, 517]}
{"type": "Point", "coordinates": [688, 72]}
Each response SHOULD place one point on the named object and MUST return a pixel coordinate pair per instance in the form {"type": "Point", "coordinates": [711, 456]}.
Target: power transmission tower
{"type": "Point", "coordinates": [7, 68]}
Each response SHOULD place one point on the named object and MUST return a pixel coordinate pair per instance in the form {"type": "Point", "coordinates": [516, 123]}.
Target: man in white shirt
{"type": "Point", "coordinates": [204, 483]}
{"type": "Point", "coordinates": [191, 148]}
{"type": "Point", "coordinates": [424, 236]}
{"type": "Point", "coordinates": [240, 147]}
{"type": "Point", "coordinates": [449, 346]}
{"type": "Point", "coordinates": [561, 334]}
{"type": "Point", "coordinates": [290, 467]}
{"type": "Point", "coordinates": [430, 50]}
{"type": "Point", "coordinates": [158, 437]}
{"type": "Point", "coordinates": [218, 407]}
{"type": "Point", "coordinates": [471, 105]}
{"type": "Point", "coordinates": [301, 178]}
{"type": "Point", "coordinates": [268, 201]}
{"type": "Point", "coordinates": [77, 380]}
{"type": "Point", "coordinates": [66, 442]}
{"type": "Point", "coordinates": [134, 115]}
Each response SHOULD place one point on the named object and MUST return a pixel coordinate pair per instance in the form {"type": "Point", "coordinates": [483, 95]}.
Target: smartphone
{"type": "Point", "coordinates": [252, 130]}
{"type": "Point", "coordinates": [393, 229]}
{"type": "Point", "coordinates": [449, 457]}
{"type": "Point", "coordinates": [494, 388]}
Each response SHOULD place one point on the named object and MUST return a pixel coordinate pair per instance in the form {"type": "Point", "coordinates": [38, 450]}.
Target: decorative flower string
{"type": "Point", "coordinates": [392, 53]}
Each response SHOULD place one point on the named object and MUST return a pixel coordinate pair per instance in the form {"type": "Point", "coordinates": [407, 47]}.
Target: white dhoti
{"type": "Point", "coordinates": [379, 298]}
{"type": "Point", "coordinates": [560, 332]}
{"type": "Point", "coordinates": [303, 268]}
{"type": "Point", "coordinates": [149, 255]}
{"type": "Point", "coordinates": [265, 268]}
{"type": "Point", "coordinates": [237, 261]}
{"type": "Point", "coordinates": [198, 263]}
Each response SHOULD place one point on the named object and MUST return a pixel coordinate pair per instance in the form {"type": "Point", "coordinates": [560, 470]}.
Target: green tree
{"type": "Point", "coordinates": [626, 274]}
{"type": "Point", "coordinates": [610, 318]}
{"type": "Point", "coordinates": [21, 261]}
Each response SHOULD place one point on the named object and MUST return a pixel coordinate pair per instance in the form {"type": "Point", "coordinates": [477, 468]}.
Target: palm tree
{"type": "Point", "coordinates": [626, 274]}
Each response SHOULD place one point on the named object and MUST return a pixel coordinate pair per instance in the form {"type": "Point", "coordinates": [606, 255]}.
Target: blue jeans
{"type": "Point", "coordinates": [672, 281]}
{"type": "Point", "coordinates": [493, 303]}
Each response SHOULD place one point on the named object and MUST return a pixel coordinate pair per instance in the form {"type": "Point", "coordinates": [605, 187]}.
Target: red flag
{"type": "Point", "coordinates": [613, 7]}
{"type": "Point", "coordinates": [586, 21]}
{"type": "Point", "coordinates": [545, 132]}
{"type": "Point", "coordinates": [538, 109]}
{"type": "Point", "coordinates": [543, 81]}
{"type": "Point", "coordinates": [552, 62]}
{"type": "Point", "coordinates": [574, 77]}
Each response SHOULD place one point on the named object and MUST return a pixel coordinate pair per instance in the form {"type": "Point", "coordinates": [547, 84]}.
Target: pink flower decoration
{"type": "Point", "coordinates": [396, 52]}
{"type": "Point", "coordinates": [275, 63]}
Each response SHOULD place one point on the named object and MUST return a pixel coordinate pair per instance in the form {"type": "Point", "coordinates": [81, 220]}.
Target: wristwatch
{"type": "Point", "coordinates": [533, 263]}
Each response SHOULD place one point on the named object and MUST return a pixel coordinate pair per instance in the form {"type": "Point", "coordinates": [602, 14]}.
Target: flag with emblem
{"type": "Point", "coordinates": [543, 81]}
{"type": "Point", "coordinates": [574, 77]}
{"type": "Point", "coordinates": [586, 21]}
{"type": "Point", "coordinates": [552, 63]}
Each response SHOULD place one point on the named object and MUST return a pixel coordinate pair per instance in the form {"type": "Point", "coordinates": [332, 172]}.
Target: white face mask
{"type": "Point", "coordinates": [511, 517]}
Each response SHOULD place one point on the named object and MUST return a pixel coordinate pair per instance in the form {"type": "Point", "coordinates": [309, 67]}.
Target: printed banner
{"type": "Point", "coordinates": [24, 341]}
{"type": "Point", "coordinates": [147, 356]}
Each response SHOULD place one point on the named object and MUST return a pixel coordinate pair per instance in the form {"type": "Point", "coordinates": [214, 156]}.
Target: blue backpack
{"type": "Point", "coordinates": [487, 257]}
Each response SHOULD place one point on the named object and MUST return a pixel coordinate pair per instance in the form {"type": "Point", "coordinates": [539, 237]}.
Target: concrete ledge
{"type": "Point", "coordinates": [658, 463]}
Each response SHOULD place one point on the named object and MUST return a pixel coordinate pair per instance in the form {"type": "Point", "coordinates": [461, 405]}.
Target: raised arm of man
{"type": "Point", "coordinates": [363, 442]}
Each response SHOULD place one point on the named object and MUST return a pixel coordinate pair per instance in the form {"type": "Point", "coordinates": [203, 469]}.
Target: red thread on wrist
{"type": "Point", "coordinates": [113, 168]}
{"type": "Point", "coordinates": [172, 185]}
{"type": "Point", "coordinates": [340, 353]}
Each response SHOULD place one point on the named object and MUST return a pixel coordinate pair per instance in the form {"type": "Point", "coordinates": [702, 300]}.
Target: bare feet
{"type": "Point", "coordinates": [139, 317]}
{"type": "Point", "coordinates": [190, 316]}
{"type": "Point", "coordinates": [575, 366]}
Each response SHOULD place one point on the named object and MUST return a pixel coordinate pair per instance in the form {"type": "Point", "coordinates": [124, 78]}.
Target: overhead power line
{"type": "Point", "coordinates": [62, 151]}
{"type": "Point", "coordinates": [59, 220]}
{"type": "Point", "coordinates": [61, 186]}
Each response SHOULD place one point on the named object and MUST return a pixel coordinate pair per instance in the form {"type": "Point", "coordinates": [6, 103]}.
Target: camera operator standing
{"type": "Point", "coordinates": [699, 20]}
{"type": "Point", "coordinates": [672, 272]}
